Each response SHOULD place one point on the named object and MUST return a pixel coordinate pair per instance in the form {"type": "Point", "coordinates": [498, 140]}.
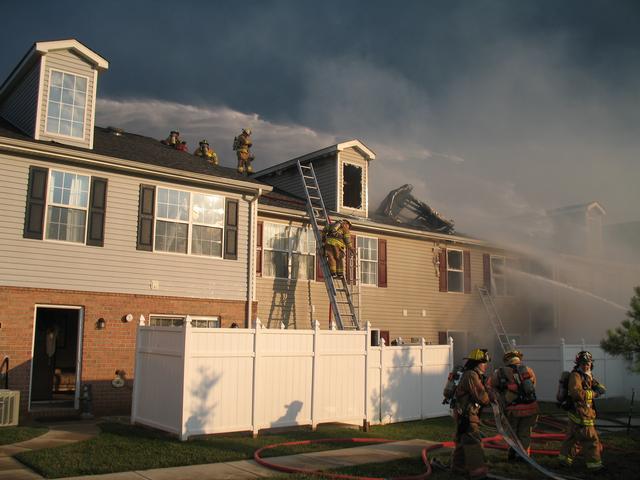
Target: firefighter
{"type": "Point", "coordinates": [470, 396]}
{"type": "Point", "coordinates": [515, 387]}
{"type": "Point", "coordinates": [582, 436]}
{"type": "Point", "coordinates": [335, 240]}
{"type": "Point", "coordinates": [241, 144]}
{"type": "Point", "coordinates": [206, 152]}
{"type": "Point", "coordinates": [173, 140]}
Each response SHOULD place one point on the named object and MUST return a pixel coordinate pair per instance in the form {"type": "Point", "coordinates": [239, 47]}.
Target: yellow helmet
{"type": "Point", "coordinates": [479, 355]}
{"type": "Point", "coordinates": [510, 355]}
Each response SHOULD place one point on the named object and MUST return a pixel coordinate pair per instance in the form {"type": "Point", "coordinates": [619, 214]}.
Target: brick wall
{"type": "Point", "coordinates": [103, 351]}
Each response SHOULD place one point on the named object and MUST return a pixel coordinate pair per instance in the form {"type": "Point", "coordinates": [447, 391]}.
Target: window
{"type": "Point", "coordinates": [68, 203]}
{"type": "Point", "coordinates": [289, 252]}
{"type": "Point", "coordinates": [498, 276]}
{"type": "Point", "coordinates": [178, 321]}
{"type": "Point", "coordinates": [455, 271]}
{"type": "Point", "coordinates": [205, 322]}
{"type": "Point", "coordinates": [67, 103]}
{"type": "Point", "coordinates": [165, 321]}
{"type": "Point", "coordinates": [351, 186]}
{"type": "Point", "coordinates": [501, 279]}
{"type": "Point", "coordinates": [189, 222]}
{"type": "Point", "coordinates": [368, 255]}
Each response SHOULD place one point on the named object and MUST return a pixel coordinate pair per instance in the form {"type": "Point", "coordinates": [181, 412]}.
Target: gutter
{"type": "Point", "coordinates": [251, 258]}
{"type": "Point", "coordinates": [130, 166]}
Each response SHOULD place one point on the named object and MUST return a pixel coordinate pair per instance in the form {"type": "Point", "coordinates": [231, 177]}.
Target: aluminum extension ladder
{"type": "Point", "coordinates": [338, 289]}
{"type": "Point", "coordinates": [495, 320]}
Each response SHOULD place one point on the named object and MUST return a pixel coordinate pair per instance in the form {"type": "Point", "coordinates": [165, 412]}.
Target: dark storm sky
{"type": "Point", "coordinates": [489, 108]}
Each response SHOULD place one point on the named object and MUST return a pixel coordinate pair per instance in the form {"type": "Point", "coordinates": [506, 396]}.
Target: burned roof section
{"type": "Point", "coordinates": [405, 209]}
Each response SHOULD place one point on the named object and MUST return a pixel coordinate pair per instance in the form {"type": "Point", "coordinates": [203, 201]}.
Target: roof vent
{"type": "Point", "coordinates": [115, 131]}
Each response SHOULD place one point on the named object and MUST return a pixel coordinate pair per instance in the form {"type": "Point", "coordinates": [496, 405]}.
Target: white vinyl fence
{"type": "Point", "coordinates": [192, 381]}
{"type": "Point", "coordinates": [549, 361]}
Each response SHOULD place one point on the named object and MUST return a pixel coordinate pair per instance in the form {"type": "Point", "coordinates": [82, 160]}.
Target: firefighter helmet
{"type": "Point", "coordinates": [204, 142]}
{"type": "Point", "coordinates": [511, 355]}
{"type": "Point", "coordinates": [479, 355]}
{"type": "Point", "coordinates": [584, 357]}
{"type": "Point", "coordinates": [344, 220]}
{"type": "Point", "coordinates": [247, 131]}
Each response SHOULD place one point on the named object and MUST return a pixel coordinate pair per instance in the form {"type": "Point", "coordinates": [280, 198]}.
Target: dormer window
{"type": "Point", "coordinates": [351, 186]}
{"type": "Point", "coordinates": [67, 104]}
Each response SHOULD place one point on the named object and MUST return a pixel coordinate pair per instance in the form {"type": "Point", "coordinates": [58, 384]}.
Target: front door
{"type": "Point", "coordinates": [55, 357]}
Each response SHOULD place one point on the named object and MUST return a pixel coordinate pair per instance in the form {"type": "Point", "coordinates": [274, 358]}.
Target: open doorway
{"type": "Point", "coordinates": [56, 361]}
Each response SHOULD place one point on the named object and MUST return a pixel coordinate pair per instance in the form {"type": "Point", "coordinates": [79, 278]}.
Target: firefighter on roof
{"type": "Point", "coordinates": [173, 140]}
{"type": "Point", "coordinates": [582, 388]}
{"type": "Point", "coordinates": [335, 240]}
{"type": "Point", "coordinates": [206, 152]}
{"type": "Point", "coordinates": [470, 396]}
{"type": "Point", "coordinates": [515, 385]}
{"type": "Point", "coordinates": [241, 144]}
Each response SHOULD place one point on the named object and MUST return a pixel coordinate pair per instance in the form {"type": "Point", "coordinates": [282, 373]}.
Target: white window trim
{"type": "Point", "coordinates": [84, 120]}
{"type": "Point", "coordinates": [362, 184]}
{"type": "Point", "coordinates": [377, 260]}
{"type": "Point", "coordinates": [189, 224]}
{"type": "Point", "coordinates": [47, 205]}
{"type": "Point", "coordinates": [289, 253]}
{"type": "Point", "coordinates": [455, 270]}
{"type": "Point", "coordinates": [184, 318]}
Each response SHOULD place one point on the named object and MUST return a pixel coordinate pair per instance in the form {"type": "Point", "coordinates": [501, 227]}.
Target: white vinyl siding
{"type": "Point", "coordinates": [289, 252]}
{"type": "Point", "coordinates": [368, 256]}
{"type": "Point", "coordinates": [455, 271]}
{"type": "Point", "coordinates": [118, 267]}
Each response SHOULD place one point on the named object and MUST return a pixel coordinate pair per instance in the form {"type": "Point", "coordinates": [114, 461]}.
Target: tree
{"type": "Point", "coordinates": [625, 340]}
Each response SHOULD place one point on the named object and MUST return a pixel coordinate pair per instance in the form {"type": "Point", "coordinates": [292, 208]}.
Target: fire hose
{"type": "Point", "coordinates": [505, 433]}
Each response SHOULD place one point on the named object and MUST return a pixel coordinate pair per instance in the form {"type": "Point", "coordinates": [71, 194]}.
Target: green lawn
{"type": "Point", "coordinates": [19, 434]}
{"type": "Point", "coordinates": [146, 448]}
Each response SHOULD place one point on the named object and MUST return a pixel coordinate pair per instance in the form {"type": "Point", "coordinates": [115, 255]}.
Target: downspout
{"type": "Point", "coordinates": [251, 270]}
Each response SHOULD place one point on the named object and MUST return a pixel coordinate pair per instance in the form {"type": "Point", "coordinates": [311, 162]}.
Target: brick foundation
{"type": "Point", "coordinates": [103, 351]}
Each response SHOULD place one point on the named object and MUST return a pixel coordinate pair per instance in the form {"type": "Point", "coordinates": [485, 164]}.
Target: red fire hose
{"type": "Point", "coordinates": [489, 442]}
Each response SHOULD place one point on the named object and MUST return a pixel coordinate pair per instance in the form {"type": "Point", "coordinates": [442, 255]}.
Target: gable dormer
{"type": "Point", "coordinates": [342, 171]}
{"type": "Point", "coordinates": [51, 94]}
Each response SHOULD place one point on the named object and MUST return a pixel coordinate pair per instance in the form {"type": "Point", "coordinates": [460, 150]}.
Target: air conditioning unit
{"type": "Point", "coordinates": [9, 407]}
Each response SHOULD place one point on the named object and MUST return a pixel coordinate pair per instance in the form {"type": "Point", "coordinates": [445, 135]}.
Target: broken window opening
{"type": "Point", "coordinates": [351, 186]}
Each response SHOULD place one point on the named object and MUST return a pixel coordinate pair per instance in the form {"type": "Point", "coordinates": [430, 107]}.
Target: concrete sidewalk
{"type": "Point", "coordinates": [58, 434]}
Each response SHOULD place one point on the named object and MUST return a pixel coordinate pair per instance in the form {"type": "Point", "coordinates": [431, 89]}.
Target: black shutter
{"type": "Point", "coordinates": [146, 212]}
{"type": "Point", "coordinates": [36, 202]}
{"type": "Point", "coordinates": [486, 271]}
{"type": "Point", "coordinates": [259, 249]}
{"type": "Point", "coordinates": [231, 230]}
{"type": "Point", "coordinates": [97, 211]}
